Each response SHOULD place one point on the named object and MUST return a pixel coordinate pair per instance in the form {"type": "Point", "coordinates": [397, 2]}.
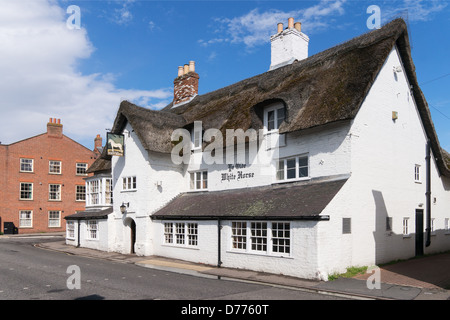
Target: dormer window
{"type": "Point", "coordinates": [273, 117]}
{"type": "Point", "coordinates": [197, 135]}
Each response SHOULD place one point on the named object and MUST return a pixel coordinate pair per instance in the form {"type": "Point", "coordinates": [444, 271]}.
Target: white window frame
{"type": "Point", "coordinates": [417, 173]}
{"type": "Point", "coordinates": [28, 219]}
{"type": "Point", "coordinates": [94, 192]}
{"type": "Point", "coordinates": [82, 167]}
{"type": "Point", "coordinates": [180, 234]}
{"type": "Point", "coordinates": [196, 138]}
{"type": "Point", "coordinates": [54, 164]}
{"type": "Point", "coordinates": [24, 164]}
{"type": "Point", "coordinates": [70, 230]}
{"type": "Point", "coordinates": [285, 169]}
{"type": "Point", "coordinates": [129, 183]}
{"type": "Point", "coordinates": [198, 180]}
{"type": "Point", "coordinates": [80, 195]}
{"type": "Point", "coordinates": [447, 225]}
{"type": "Point", "coordinates": [26, 191]}
{"type": "Point", "coordinates": [432, 226]}
{"type": "Point", "coordinates": [53, 219]}
{"type": "Point", "coordinates": [92, 230]}
{"type": "Point", "coordinates": [406, 227]}
{"type": "Point", "coordinates": [255, 238]}
{"type": "Point", "coordinates": [276, 125]}
{"type": "Point", "coordinates": [56, 193]}
{"type": "Point", "coordinates": [108, 191]}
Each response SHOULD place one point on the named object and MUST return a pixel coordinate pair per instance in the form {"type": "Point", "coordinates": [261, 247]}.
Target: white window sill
{"type": "Point", "coordinates": [180, 246]}
{"type": "Point", "coordinates": [263, 254]}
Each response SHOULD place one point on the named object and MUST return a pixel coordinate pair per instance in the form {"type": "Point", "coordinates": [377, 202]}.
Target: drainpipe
{"type": "Point", "coordinates": [78, 245]}
{"type": "Point", "coordinates": [219, 240]}
{"type": "Point", "coordinates": [428, 194]}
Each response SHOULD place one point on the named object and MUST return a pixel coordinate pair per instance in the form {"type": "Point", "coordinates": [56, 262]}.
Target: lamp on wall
{"type": "Point", "coordinates": [124, 206]}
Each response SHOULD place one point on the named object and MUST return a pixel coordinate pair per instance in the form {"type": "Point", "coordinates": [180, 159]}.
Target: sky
{"type": "Point", "coordinates": [78, 64]}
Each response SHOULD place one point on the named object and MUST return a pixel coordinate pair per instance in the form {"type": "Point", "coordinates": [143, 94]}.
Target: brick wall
{"type": "Point", "coordinates": [42, 148]}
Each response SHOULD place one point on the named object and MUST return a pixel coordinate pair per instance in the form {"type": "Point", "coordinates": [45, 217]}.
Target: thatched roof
{"type": "Point", "coordinates": [285, 201]}
{"type": "Point", "coordinates": [324, 88]}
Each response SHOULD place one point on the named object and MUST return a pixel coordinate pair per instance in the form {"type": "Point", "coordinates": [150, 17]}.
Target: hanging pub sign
{"type": "Point", "coordinates": [114, 144]}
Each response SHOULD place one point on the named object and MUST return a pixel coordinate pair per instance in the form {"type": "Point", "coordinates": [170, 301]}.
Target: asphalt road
{"type": "Point", "coordinates": [31, 273]}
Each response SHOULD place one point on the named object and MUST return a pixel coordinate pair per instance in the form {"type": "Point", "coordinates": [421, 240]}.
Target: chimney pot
{"type": "Point", "coordinates": [290, 23]}
{"type": "Point", "coordinates": [191, 66]}
{"type": "Point", "coordinates": [180, 71]}
{"type": "Point", "coordinates": [288, 46]}
{"type": "Point", "coordinates": [186, 87]}
{"type": "Point", "coordinates": [279, 27]}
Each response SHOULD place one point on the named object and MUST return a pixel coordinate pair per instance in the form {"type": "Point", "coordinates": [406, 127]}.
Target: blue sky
{"type": "Point", "coordinates": [132, 49]}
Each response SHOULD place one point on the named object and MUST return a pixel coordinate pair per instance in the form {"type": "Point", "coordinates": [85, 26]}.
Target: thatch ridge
{"type": "Point", "coordinates": [327, 87]}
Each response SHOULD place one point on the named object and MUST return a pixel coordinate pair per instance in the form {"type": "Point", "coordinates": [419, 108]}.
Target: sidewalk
{"type": "Point", "coordinates": [416, 279]}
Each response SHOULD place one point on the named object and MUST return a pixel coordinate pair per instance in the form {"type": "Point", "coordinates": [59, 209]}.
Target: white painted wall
{"type": "Point", "coordinates": [383, 155]}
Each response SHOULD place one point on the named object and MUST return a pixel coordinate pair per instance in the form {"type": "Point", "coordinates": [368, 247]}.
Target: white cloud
{"type": "Point", "coordinates": [123, 15]}
{"type": "Point", "coordinates": [413, 10]}
{"type": "Point", "coordinates": [255, 27]}
{"type": "Point", "coordinates": [39, 76]}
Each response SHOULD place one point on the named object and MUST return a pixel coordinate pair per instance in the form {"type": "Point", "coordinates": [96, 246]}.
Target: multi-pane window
{"type": "Point", "coordinates": [196, 136]}
{"type": "Point", "coordinates": [54, 192]}
{"type": "Point", "coordinates": [54, 167]}
{"type": "Point", "coordinates": [26, 165]}
{"type": "Point", "coordinates": [25, 219]}
{"type": "Point", "coordinates": [272, 238]}
{"type": "Point", "coordinates": [281, 237]}
{"type": "Point", "coordinates": [92, 229]}
{"type": "Point", "coordinates": [273, 117]}
{"type": "Point", "coordinates": [405, 226]}
{"type": "Point", "coordinates": [180, 233]}
{"type": "Point", "coordinates": [54, 219]}
{"type": "Point", "coordinates": [258, 236]}
{"type": "Point", "coordinates": [199, 180]}
{"type": "Point", "coordinates": [168, 232]}
{"type": "Point", "coordinates": [293, 168]}
{"type": "Point", "coordinates": [192, 234]}
{"type": "Point", "coordinates": [108, 191]}
{"type": "Point", "coordinates": [94, 191]}
{"type": "Point", "coordinates": [417, 173]}
{"type": "Point", "coordinates": [129, 183]}
{"type": "Point", "coordinates": [81, 169]}
{"type": "Point", "coordinates": [26, 191]}
{"type": "Point", "coordinates": [80, 193]}
{"type": "Point", "coordinates": [70, 230]}
{"type": "Point", "coordinates": [239, 235]}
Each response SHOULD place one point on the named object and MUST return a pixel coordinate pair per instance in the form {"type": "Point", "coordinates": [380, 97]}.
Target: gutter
{"type": "Point", "coordinates": [258, 218]}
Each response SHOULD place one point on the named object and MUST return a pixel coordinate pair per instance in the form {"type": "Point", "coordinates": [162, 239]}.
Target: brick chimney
{"type": "Point", "coordinates": [54, 128]}
{"type": "Point", "coordinates": [288, 45]}
{"type": "Point", "coordinates": [185, 86]}
{"type": "Point", "coordinates": [98, 144]}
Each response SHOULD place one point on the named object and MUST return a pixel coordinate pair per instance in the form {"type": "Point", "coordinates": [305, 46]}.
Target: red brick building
{"type": "Point", "coordinates": [42, 180]}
